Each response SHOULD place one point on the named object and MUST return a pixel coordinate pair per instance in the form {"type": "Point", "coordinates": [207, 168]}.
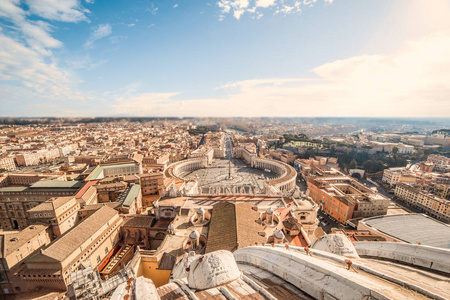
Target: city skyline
{"type": "Point", "coordinates": [110, 208]}
{"type": "Point", "coordinates": [224, 58]}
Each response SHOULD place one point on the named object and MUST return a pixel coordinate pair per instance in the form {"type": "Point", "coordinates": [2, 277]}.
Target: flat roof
{"type": "Point", "coordinates": [13, 189]}
{"type": "Point", "coordinates": [100, 168]}
{"type": "Point", "coordinates": [57, 184]}
{"type": "Point", "coordinates": [132, 194]}
{"type": "Point", "coordinates": [61, 186]}
{"type": "Point", "coordinates": [413, 228]}
{"type": "Point", "coordinates": [12, 241]}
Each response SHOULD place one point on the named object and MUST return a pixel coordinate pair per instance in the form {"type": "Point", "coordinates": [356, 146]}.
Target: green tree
{"type": "Point", "coordinates": [395, 150]}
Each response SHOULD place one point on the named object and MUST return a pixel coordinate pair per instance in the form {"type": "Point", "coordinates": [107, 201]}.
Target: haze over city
{"type": "Point", "coordinates": [224, 58]}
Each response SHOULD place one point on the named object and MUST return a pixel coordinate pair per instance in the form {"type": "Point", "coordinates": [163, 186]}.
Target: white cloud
{"type": "Point", "coordinates": [241, 3]}
{"type": "Point", "coordinates": [414, 81]}
{"type": "Point", "coordinates": [238, 13]}
{"type": "Point", "coordinates": [175, 6]}
{"type": "Point", "coordinates": [131, 25]}
{"type": "Point", "coordinates": [253, 7]}
{"type": "Point", "coordinates": [27, 67]}
{"type": "Point", "coordinates": [98, 32]}
{"type": "Point", "coordinates": [38, 36]}
{"type": "Point", "coordinates": [152, 9]}
{"type": "Point", "coordinates": [92, 1]}
{"type": "Point", "coordinates": [265, 3]}
{"type": "Point", "coordinates": [58, 10]}
{"type": "Point", "coordinates": [36, 33]}
{"type": "Point", "coordinates": [26, 62]}
{"type": "Point", "coordinates": [225, 6]}
{"type": "Point", "coordinates": [10, 9]}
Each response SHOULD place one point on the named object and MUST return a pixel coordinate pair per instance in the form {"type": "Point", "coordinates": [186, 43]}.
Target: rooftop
{"type": "Point", "coordinates": [10, 242]}
{"type": "Point", "coordinates": [61, 248]}
{"type": "Point", "coordinates": [96, 206]}
{"type": "Point", "coordinates": [233, 226]}
{"type": "Point", "coordinates": [139, 221]}
{"type": "Point", "coordinates": [412, 228]}
{"type": "Point", "coordinates": [57, 184]}
{"type": "Point", "coordinates": [46, 185]}
{"type": "Point", "coordinates": [131, 194]}
{"type": "Point", "coordinates": [99, 169]}
{"type": "Point", "coordinates": [51, 204]}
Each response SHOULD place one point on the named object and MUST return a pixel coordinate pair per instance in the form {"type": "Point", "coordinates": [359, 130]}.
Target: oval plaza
{"type": "Point", "coordinates": [228, 170]}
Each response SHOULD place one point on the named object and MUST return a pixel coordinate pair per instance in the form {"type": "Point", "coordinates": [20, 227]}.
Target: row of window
{"type": "Point", "coordinates": [92, 248]}
{"type": "Point", "coordinates": [44, 214]}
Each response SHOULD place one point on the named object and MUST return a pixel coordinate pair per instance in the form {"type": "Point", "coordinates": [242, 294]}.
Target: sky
{"type": "Point", "coordinates": [225, 58]}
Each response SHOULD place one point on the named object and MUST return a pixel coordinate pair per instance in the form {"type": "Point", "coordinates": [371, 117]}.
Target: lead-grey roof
{"type": "Point", "coordinates": [413, 228]}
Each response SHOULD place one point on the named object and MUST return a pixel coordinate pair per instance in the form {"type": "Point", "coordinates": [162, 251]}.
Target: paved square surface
{"type": "Point", "coordinates": [242, 176]}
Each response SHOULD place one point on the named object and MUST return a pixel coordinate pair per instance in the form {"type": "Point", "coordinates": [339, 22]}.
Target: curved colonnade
{"type": "Point", "coordinates": [285, 181]}
{"type": "Point", "coordinates": [282, 183]}
{"type": "Point", "coordinates": [174, 170]}
{"type": "Point", "coordinates": [286, 174]}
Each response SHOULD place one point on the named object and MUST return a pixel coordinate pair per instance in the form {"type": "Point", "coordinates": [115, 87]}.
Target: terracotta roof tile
{"type": "Point", "coordinates": [233, 226]}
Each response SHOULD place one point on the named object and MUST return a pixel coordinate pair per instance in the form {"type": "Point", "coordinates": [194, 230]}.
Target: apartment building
{"type": "Point", "coordinates": [392, 176]}
{"type": "Point", "coordinates": [439, 161]}
{"type": "Point", "coordinates": [416, 196]}
{"type": "Point", "coordinates": [8, 163]}
{"type": "Point", "coordinates": [343, 198]}
{"type": "Point", "coordinates": [28, 159]}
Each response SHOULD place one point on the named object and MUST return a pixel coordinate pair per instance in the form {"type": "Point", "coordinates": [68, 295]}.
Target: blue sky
{"type": "Point", "coordinates": [225, 58]}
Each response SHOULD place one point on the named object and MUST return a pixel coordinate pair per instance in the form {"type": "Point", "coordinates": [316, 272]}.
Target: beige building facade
{"type": "Point", "coordinates": [8, 163]}
{"type": "Point", "coordinates": [415, 196]}
{"type": "Point", "coordinates": [15, 247]}
{"type": "Point", "coordinates": [392, 176]}
{"type": "Point", "coordinates": [61, 213]}
{"type": "Point", "coordinates": [88, 243]}
{"type": "Point", "coordinates": [16, 201]}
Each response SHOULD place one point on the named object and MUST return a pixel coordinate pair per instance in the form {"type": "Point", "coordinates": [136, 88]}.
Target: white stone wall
{"type": "Point", "coordinates": [437, 259]}
{"type": "Point", "coordinates": [312, 275]}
